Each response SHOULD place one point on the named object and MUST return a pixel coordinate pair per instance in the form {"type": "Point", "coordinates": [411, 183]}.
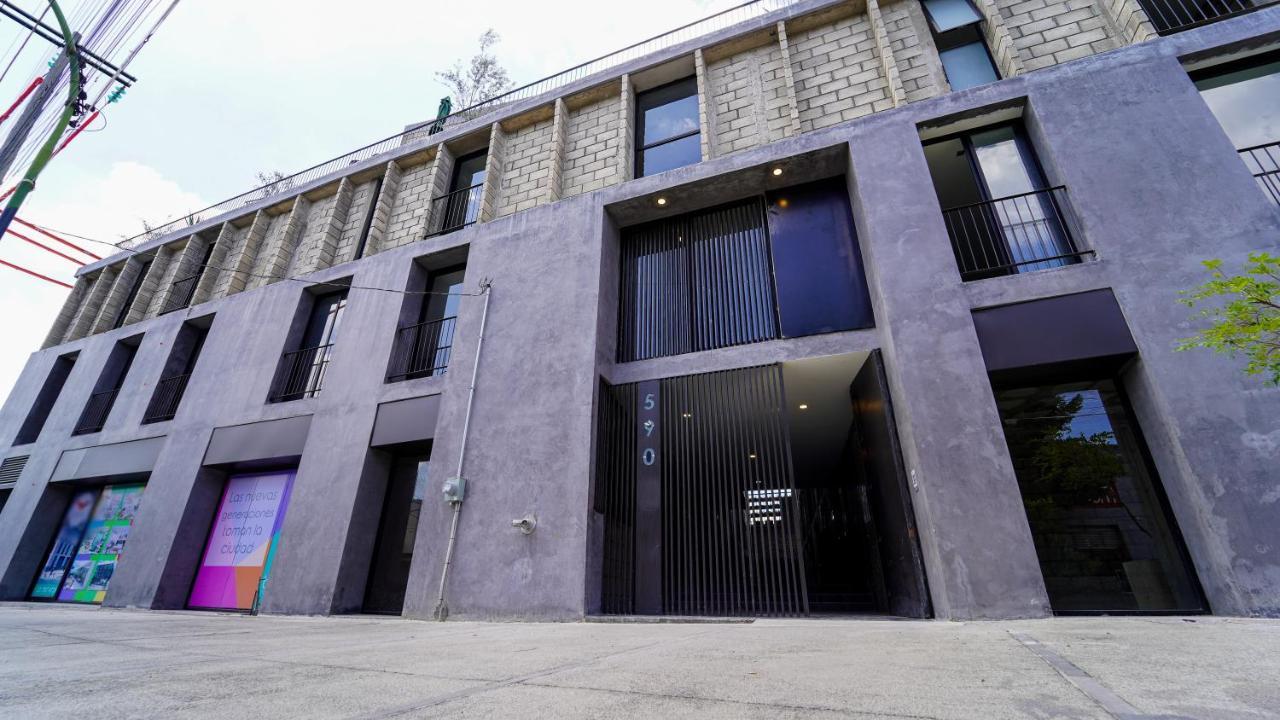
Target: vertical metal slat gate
{"type": "Point", "coordinates": [728, 525]}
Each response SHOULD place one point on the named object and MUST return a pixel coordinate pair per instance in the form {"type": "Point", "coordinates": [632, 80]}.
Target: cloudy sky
{"type": "Point", "coordinates": [230, 88]}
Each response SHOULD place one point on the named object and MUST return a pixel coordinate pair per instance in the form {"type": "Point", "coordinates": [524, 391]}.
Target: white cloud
{"type": "Point", "coordinates": [105, 208]}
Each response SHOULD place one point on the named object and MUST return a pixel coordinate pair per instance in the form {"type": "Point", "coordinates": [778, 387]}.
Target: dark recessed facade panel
{"type": "Point", "coordinates": [1068, 328]}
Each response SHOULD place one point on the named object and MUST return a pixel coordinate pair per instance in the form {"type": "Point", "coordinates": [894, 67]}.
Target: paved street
{"type": "Point", "coordinates": [61, 662]}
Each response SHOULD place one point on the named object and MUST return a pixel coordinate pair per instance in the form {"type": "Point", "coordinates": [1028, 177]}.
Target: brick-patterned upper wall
{"type": "Point", "coordinates": [1048, 32]}
{"type": "Point", "coordinates": [837, 73]}
{"type": "Point", "coordinates": [409, 207]}
{"type": "Point", "coordinates": [530, 152]}
{"type": "Point", "coordinates": [749, 103]}
{"type": "Point", "coordinates": [591, 152]}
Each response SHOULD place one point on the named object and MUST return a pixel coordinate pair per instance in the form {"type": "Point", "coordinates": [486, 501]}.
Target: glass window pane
{"type": "Point", "coordinates": [674, 118]}
{"type": "Point", "coordinates": [968, 66]}
{"type": "Point", "coordinates": [1103, 537]}
{"type": "Point", "coordinates": [950, 14]}
{"type": "Point", "coordinates": [678, 153]}
{"type": "Point", "coordinates": [1246, 103]}
{"type": "Point", "coordinates": [1006, 167]}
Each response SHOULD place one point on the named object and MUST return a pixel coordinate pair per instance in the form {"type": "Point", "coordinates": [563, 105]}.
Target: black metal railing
{"type": "Point", "coordinates": [1018, 233]}
{"type": "Point", "coordinates": [1171, 16]}
{"type": "Point", "coordinates": [165, 400]}
{"type": "Point", "coordinates": [1264, 162]}
{"type": "Point", "coordinates": [180, 293]}
{"type": "Point", "coordinates": [422, 350]}
{"type": "Point", "coordinates": [455, 210]}
{"type": "Point", "coordinates": [300, 374]}
{"type": "Point", "coordinates": [95, 412]}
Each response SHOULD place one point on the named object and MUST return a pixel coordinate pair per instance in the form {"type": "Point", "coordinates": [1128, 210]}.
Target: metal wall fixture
{"type": "Point", "coordinates": [300, 374]}
{"type": "Point", "coordinates": [1018, 233]}
{"type": "Point", "coordinates": [422, 350]}
{"type": "Point", "coordinates": [1264, 162]}
{"type": "Point", "coordinates": [1171, 16]}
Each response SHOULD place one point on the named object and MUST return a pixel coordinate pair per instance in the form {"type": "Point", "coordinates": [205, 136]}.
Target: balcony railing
{"type": "Point", "coordinates": [1171, 16]}
{"type": "Point", "coordinates": [455, 210]}
{"type": "Point", "coordinates": [1015, 234]}
{"type": "Point", "coordinates": [1264, 162]}
{"type": "Point", "coordinates": [422, 350]}
{"type": "Point", "coordinates": [300, 374]}
{"type": "Point", "coordinates": [180, 293]}
{"type": "Point", "coordinates": [164, 402]}
{"type": "Point", "coordinates": [95, 412]}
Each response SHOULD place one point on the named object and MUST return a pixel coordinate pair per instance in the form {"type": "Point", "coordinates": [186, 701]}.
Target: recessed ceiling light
{"type": "Point", "coordinates": [803, 406]}
{"type": "Point", "coordinates": [686, 415]}
{"type": "Point", "coordinates": [777, 171]}
{"type": "Point", "coordinates": [752, 456]}
{"type": "Point", "coordinates": [662, 201]}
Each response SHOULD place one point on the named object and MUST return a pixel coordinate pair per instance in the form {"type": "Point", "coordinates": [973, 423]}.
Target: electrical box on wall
{"type": "Point", "coordinates": [454, 488]}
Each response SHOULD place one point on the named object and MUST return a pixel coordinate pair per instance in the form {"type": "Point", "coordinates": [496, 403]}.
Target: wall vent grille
{"type": "Point", "coordinates": [11, 468]}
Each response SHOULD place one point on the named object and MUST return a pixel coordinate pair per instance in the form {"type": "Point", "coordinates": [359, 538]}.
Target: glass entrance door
{"type": "Point", "coordinates": [393, 551]}
{"type": "Point", "coordinates": [1105, 539]}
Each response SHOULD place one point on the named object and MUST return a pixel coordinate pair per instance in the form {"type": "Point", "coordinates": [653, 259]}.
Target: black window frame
{"type": "Point", "coordinates": [657, 97]}
{"type": "Point", "coordinates": [957, 37]}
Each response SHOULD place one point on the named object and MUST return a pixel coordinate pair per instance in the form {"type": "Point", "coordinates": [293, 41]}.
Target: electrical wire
{"type": "Point", "coordinates": [278, 278]}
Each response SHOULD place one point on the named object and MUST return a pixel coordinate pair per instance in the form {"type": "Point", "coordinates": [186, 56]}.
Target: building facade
{"type": "Point", "coordinates": [825, 307]}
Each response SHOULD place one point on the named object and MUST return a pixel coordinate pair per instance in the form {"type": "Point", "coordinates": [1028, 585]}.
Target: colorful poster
{"type": "Point", "coordinates": [245, 532]}
{"type": "Point", "coordinates": [64, 546]}
{"type": "Point", "coordinates": [103, 543]}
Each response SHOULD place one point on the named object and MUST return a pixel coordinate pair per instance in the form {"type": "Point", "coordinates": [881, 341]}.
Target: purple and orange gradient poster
{"type": "Point", "coordinates": [245, 530]}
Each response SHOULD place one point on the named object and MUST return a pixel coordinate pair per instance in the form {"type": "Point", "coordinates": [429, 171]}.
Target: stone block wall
{"type": "Point", "coordinates": [837, 73]}
{"type": "Point", "coordinates": [1048, 32]}
{"type": "Point", "coordinates": [591, 147]}
{"type": "Point", "coordinates": [529, 158]}
{"type": "Point", "coordinates": [410, 207]}
{"type": "Point", "coordinates": [749, 102]}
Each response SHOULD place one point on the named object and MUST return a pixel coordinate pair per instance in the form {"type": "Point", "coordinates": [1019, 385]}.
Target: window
{"type": "Point", "coordinates": [957, 33]}
{"type": "Point", "coordinates": [1000, 213]}
{"type": "Point", "coordinates": [667, 130]}
{"type": "Point", "coordinates": [89, 542]}
{"type": "Point", "coordinates": [424, 348]}
{"type": "Point", "coordinates": [183, 289]}
{"type": "Point", "coordinates": [123, 313]}
{"type": "Point", "coordinates": [1245, 97]}
{"type": "Point", "coordinates": [785, 264]}
{"type": "Point", "coordinates": [49, 392]}
{"type": "Point", "coordinates": [368, 219]}
{"type": "Point", "coordinates": [301, 372]}
{"type": "Point", "coordinates": [94, 416]}
{"type": "Point", "coordinates": [460, 207]}
{"type": "Point", "coordinates": [177, 371]}
{"type": "Point", "coordinates": [1103, 534]}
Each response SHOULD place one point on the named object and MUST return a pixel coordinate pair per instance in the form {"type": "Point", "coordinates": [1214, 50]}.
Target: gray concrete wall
{"type": "Point", "coordinates": [1152, 177]}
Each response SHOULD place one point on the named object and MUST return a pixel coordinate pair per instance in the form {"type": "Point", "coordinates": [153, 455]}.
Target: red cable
{"type": "Point", "coordinates": [30, 89]}
{"type": "Point", "coordinates": [46, 233]}
{"type": "Point", "coordinates": [34, 274]}
{"type": "Point", "coordinates": [42, 246]}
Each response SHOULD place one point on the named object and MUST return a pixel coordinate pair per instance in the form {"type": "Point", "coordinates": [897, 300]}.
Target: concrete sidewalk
{"type": "Point", "coordinates": [64, 662]}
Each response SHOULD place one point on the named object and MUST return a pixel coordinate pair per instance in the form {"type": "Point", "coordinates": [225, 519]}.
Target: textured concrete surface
{"type": "Point", "coordinates": [63, 661]}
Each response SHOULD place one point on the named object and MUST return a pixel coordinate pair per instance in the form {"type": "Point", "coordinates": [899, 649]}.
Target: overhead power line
{"type": "Point", "coordinates": [33, 273]}
{"type": "Point", "coordinates": [27, 20]}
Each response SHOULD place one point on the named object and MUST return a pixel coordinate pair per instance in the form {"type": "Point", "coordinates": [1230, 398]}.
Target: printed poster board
{"type": "Point", "coordinates": [88, 545]}
{"type": "Point", "coordinates": [245, 530]}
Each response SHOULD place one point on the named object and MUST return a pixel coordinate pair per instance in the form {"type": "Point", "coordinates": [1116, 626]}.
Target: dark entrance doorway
{"type": "Point", "coordinates": [1104, 535]}
{"type": "Point", "coordinates": [397, 529]}
{"type": "Point", "coordinates": [773, 490]}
